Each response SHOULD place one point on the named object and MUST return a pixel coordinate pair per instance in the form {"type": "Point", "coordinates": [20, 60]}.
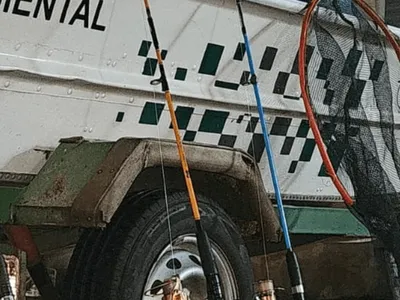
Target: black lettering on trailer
{"type": "Point", "coordinates": [81, 13]}
{"type": "Point", "coordinates": [64, 11]}
{"type": "Point", "coordinates": [96, 26]}
{"type": "Point", "coordinates": [18, 11]}
{"type": "Point", "coordinates": [48, 8]}
{"type": "Point", "coordinates": [6, 5]}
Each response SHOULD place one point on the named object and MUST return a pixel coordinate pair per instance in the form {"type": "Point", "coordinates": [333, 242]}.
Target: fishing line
{"type": "Point", "coordinates": [165, 189]}
{"type": "Point", "coordinates": [291, 259]}
{"type": "Point", "coordinates": [249, 111]}
{"type": "Point", "coordinates": [264, 242]}
{"type": "Point", "coordinates": [214, 290]}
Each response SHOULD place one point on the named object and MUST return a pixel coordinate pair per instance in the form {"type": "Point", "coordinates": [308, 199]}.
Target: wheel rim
{"type": "Point", "coordinates": [183, 259]}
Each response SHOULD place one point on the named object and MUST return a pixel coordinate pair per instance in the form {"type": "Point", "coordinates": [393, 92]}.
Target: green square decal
{"type": "Point", "coordinates": [150, 67]}
{"type": "Point", "coordinates": [213, 121]}
{"type": "Point", "coordinates": [211, 58]}
{"type": "Point", "coordinates": [120, 116]}
{"type": "Point", "coordinates": [151, 113]}
{"type": "Point", "coordinates": [308, 150]}
{"type": "Point", "coordinates": [180, 74]}
{"type": "Point", "coordinates": [183, 115]}
{"type": "Point", "coordinates": [303, 130]}
{"type": "Point", "coordinates": [189, 136]}
{"type": "Point", "coordinates": [144, 48]}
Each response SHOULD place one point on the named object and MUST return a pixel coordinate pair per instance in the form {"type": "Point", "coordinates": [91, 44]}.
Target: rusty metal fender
{"type": "Point", "coordinates": [84, 182]}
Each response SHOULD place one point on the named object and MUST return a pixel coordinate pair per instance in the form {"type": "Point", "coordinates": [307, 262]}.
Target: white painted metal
{"type": "Point", "coordinates": [296, 6]}
{"type": "Point", "coordinates": [293, 6]}
{"type": "Point", "coordinates": [59, 80]}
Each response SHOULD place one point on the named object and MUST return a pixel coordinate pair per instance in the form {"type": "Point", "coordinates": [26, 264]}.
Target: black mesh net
{"type": "Point", "coordinates": [353, 82]}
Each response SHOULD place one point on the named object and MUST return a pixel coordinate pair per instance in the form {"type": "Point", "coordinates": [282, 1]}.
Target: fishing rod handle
{"type": "Point", "coordinates": [295, 275]}
{"type": "Point", "coordinates": [214, 289]}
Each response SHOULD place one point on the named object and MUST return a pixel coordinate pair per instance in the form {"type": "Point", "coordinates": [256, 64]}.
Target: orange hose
{"type": "Point", "coordinates": [378, 20]}
{"type": "Point", "coordinates": [305, 94]}
{"type": "Point", "coordinates": [21, 238]}
{"type": "Point", "coordinates": [310, 115]}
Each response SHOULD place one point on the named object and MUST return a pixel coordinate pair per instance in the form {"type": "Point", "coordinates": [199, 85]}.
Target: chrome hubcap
{"type": "Point", "coordinates": [183, 259]}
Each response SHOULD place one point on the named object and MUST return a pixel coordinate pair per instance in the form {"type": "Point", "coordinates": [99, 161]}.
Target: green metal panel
{"type": "Point", "coordinates": [322, 220]}
{"type": "Point", "coordinates": [8, 196]}
{"type": "Point", "coordinates": [73, 165]}
{"type": "Point", "coordinates": [66, 172]}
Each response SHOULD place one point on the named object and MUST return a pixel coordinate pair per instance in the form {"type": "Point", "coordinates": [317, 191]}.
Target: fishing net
{"type": "Point", "coordinates": [349, 72]}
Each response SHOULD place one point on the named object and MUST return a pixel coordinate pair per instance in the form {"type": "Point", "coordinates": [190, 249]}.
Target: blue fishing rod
{"type": "Point", "coordinates": [291, 259]}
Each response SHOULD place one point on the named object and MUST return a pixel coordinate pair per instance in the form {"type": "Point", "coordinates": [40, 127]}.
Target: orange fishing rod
{"type": "Point", "coordinates": [210, 271]}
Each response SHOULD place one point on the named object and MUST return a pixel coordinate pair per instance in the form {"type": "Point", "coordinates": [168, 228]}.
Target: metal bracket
{"type": "Point", "coordinates": [15, 179]}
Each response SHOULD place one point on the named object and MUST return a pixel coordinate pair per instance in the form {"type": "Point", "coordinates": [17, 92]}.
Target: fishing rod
{"type": "Point", "coordinates": [214, 290]}
{"type": "Point", "coordinates": [291, 259]}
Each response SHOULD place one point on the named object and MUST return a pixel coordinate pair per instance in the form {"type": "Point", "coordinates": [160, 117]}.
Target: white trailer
{"type": "Point", "coordinates": [80, 68]}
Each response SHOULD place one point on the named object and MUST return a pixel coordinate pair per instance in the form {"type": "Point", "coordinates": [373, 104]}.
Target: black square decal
{"type": "Point", "coordinates": [213, 121]}
{"type": "Point", "coordinates": [251, 126]}
{"type": "Point", "coordinates": [293, 166]}
{"type": "Point", "coordinates": [353, 97]}
{"type": "Point", "coordinates": [240, 51]}
{"type": "Point", "coordinates": [287, 145]}
{"type": "Point", "coordinates": [183, 115]}
{"type": "Point", "coordinates": [303, 130]}
{"type": "Point", "coordinates": [281, 126]}
{"type": "Point", "coordinates": [144, 48]}
{"type": "Point", "coordinates": [227, 140]}
{"type": "Point", "coordinates": [120, 116]}
{"type": "Point", "coordinates": [257, 146]}
{"type": "Point", "coordinates": [150, 67]}
{"type": "Point", "coordinates": [308, 150]}
{"type": "Point", "coordinates": [189, 136]}
{"type": "Point", "coordinates": [180, 74]}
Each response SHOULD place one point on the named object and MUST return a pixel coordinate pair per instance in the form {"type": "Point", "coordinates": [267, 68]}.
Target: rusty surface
{"type": "Point", "coordinates": [229, 162]}
{"type": "Point", "coordinates": [83, 184]}
{"type": "Point", "coordinates": [57, 188]}
{"type": "Point", "coordinates": [65, 174]}
{"type": "Point", "coordinates": [84, 206]}
{"type": "Point", "coordinates": [248, 228]}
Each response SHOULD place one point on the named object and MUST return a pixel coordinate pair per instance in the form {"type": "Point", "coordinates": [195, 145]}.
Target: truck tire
{"type": "Point", "coordinates": [133, 254]}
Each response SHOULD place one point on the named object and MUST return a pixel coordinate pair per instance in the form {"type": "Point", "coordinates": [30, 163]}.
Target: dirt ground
{"type": "Point", "coordinates": [332, 269]}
